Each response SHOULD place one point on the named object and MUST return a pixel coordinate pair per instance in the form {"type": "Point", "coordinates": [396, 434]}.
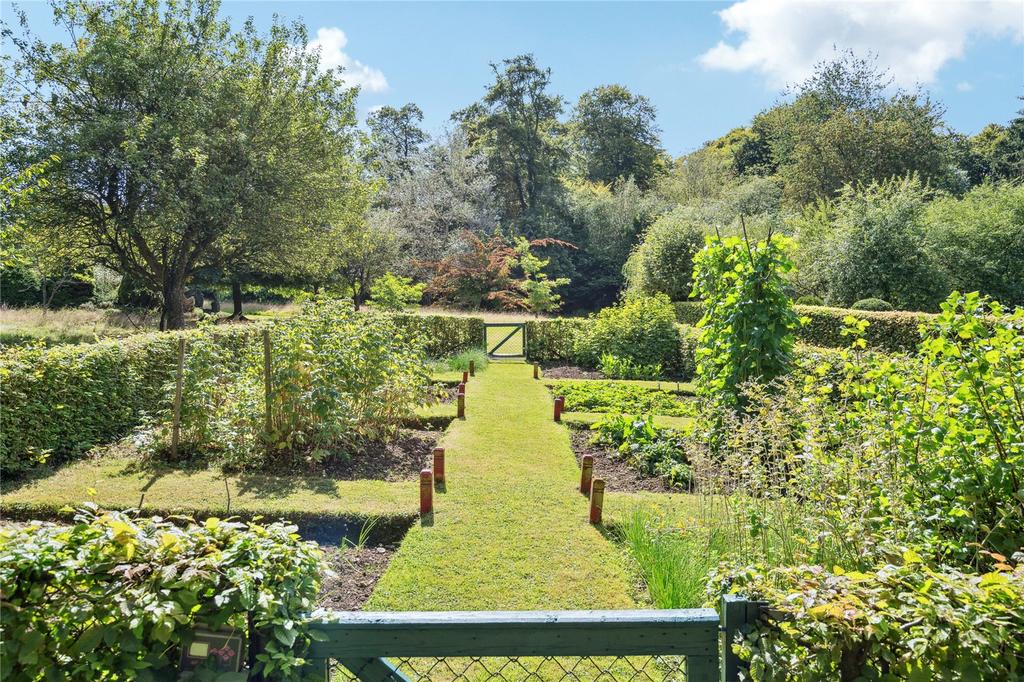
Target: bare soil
{"type": "Point", "coordinates": [356, 572]}
{"type": "Point", "coordinates": [564, 371]}
{"type": "Point", "coordinates": [618, 475]}
{"type": "Point", "coordinates": [400, 459]}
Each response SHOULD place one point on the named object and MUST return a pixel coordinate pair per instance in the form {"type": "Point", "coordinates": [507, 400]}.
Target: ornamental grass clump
{"type": "Point", "coordinates": [116, 598]}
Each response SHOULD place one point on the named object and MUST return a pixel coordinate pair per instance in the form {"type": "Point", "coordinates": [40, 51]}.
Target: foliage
{"type": "Point", "coordinates": [393, 292]}
{"type": "Point", "coordinates": [553, 340]}
{"type": "Point", "coordinates": [907, 621]}
{"type": "Point", "coordinates": [673, 561]}
{"type": "Point", "coordinates": [235, 155]}
{"type": "Point", "coordinates": [460, 362]}
{"type": "Point", "coordinates": [663, 261]}
{"type": "Point", "coordinates": [747, 331]}
{"type": "Point", "coordinates": [538, 291]}
{"type": "Point", "coordinates": [117, 598]}
{"type": "Point", "coordinates": [651, 450]}
{"type": "Point", "coordinates": [395, 138]}
{"type": "Point", "coordinates": [979, 239]}
{"type": "Point", "coordinates": [614, 367]}
{"type": "Point", "coordinates": [872, 304]}
{"type": "Point", "coordinates": [607, 396]}
{"type": "Point", "coordinates": [443, 335]}
{"type": "Point", "coordinates": [615, 136]}
{"type": "Point", "coordinates": [641, 329]}
{"type": "Point", "coordinates": [871, 243]}
{"type": "Point", "coordinates": [335, 378]}
{"type": "Point", "coordinates": [810, 300]}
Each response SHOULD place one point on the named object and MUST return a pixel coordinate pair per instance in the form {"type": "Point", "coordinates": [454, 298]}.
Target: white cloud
{"type": "Point", "coordinates": [331, 42]}
{"type": "Point", "coordinates": [784, 39]}
{"type": "Point", "coordinates": [964, 86]}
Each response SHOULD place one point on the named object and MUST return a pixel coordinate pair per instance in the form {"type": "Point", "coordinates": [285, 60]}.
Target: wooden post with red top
{"type": "Point", "coordinates": [586, 474]}
{"type": "Point", "coordinates": [559, 406]}
{"type": "Point", "coordinates": [439, 465]}
{"type": "Point", "coordinates": [462, 388]}
{"type": "Point", "coordinates": [596, 500]}
{"type": "Point", "coordinates": [426, 492]}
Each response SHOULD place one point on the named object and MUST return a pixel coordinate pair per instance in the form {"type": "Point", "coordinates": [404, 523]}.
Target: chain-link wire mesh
{"type": "Point", "coordinates": [538, 668]}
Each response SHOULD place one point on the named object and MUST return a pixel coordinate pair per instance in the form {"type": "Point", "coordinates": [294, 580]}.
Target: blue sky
{"type": "Point", "coordinates": [707, 66]}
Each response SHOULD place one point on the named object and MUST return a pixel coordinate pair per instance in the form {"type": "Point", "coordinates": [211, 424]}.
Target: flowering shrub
{"type": "Point", "coordinates": [113, 597]}
{"type": "Point", "coordinates": [897, 622]}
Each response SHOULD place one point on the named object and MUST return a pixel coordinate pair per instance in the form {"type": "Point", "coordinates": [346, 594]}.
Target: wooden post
{"type": "Point", "coordinates": [465, 377]}
{"type": "Point", "coordinates": [267, 384]}
{"type": "Point", "coordinates": [536, 371]}
{"type": "Point", "coordinates": [472, 368]}
{"type": "Point", "coordinates": [439, 465]}
{"type": "Point", "coordinates": [737, 615]}
{"type": "Point", "coordinates": [559, 406]}
{"type": "Point", "coordinates": [596, 500]}
{"type": "Point", "coordinates": [462, 388]}
{"type": "Point", "coordinates": [461, 397]}
{"type": "Point", "coordinates": [426, 492]}
{"type": "Point", "coordinates": [586, 474]}
{"type": "Point", "coordinates": [176, 427]}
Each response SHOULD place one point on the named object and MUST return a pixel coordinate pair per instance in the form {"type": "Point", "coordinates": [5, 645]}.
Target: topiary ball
{"type": "Point", "coordinates": [872, 304]}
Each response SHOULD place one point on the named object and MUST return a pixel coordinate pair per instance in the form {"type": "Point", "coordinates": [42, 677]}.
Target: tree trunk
{"type": "Point", "coordinates": [173, 316]}
{"type": "Point", "coordinates": [236, 299]}
{"type": "Point", "coordinates": [214, 302]}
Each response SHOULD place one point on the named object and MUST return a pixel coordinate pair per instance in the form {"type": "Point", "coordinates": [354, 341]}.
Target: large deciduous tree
{"type": "Point", "coordinates": [616, 137]}
{"type": "Point", "coordinates": [395, 138]}
{"type": "Point", "coordinates": [178, 135]}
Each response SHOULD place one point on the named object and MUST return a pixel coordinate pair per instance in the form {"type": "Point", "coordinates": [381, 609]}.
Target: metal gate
{"type": "Point", "coordinates": [505, 340]}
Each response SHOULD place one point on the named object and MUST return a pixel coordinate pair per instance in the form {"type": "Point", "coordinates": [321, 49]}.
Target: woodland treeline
{"type": "Point", "coordinates": [181, 154]}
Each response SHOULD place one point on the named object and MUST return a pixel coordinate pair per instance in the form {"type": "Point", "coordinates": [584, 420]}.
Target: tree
{"type": "Point", "coordinates": [395, 137]}
{"type": "Point", "coordinates": [175, 131]}
{"type": "Point", "coordinates": [616, 136]}
{"type": "Point", "coordinates": [516, 127]}
{"type": "Point", "coordinates": [1008, 152]}
{"type": "Point", "coordinates": [539, 291]}
{"type": "Point", "coordinates": [663, 261]}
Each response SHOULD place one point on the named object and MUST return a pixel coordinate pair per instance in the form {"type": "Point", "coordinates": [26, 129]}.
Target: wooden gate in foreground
{"type": "Point", "coordinates": [684, 644]}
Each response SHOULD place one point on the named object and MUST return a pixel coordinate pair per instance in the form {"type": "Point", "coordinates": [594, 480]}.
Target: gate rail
{"type": "Point", "coordinates": [363, 642]}
{"type": "Point", "coordinates": [516, 329]}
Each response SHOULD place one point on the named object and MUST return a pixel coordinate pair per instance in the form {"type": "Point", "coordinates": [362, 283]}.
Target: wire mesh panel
{"type": "Point", "coordinates": [515, 669]}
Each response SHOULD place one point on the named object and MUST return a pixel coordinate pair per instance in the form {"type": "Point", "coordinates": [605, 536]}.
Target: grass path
{"type": "Point", "coordinates": [510, 531]}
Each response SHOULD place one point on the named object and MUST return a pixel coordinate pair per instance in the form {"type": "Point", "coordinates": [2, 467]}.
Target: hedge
{"type": "Point", "coordinates": [553, 340]}
{"type": "Point", "coordinates": [60, 401]}
{"type": "Point", "coordinates": [897, 622]}
{"type": "Point", "coordinates": [890, 332]}
{"type": "Point", "coordinates": [445, 334]}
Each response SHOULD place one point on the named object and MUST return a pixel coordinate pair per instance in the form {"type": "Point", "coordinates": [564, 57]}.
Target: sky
{"type": "Point", "coordinates": [707, 67]}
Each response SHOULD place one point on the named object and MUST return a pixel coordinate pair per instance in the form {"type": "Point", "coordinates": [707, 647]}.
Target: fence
{"type": "Point", "coordinates": [682, 644]}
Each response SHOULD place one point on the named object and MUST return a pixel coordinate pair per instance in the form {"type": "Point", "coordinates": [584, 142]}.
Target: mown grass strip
{"type": "Point", "coordinates": [510, 530]}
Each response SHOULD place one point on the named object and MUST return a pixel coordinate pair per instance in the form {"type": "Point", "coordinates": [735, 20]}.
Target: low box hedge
{"type": "Point", "coordinates": [446, 335]}
{"type": "Point", "coordinates": [890, 332]}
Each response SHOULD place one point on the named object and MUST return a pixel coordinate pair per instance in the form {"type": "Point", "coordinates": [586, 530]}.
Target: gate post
{"type": "Point", "coordinates": [736, 615]}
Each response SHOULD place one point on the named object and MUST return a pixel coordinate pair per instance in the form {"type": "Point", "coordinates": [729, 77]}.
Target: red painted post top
{"type": "Point", "coordinates": [596, 500]}
{"type": "Point", "coordinates": [462, 387]}
{"type": "Point", "coordinates": [465, 377]}
{"type": "Point", "coordinates": [426, 492]}
{"type": "Point", "coordinates": [586, 473]}
{"type": "Point", "coordinates": [439, 465]}
{"type": "Point", "coordinates": [559, 406]}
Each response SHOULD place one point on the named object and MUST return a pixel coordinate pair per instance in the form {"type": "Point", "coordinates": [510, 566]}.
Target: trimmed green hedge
{"type": "Point", "coordinates": [63, 400]}
{"type": "Point", "coordinates": [553, 340]}
{"type": "Point", "coordinates": [891, 332]}
{"type": "Point", "coordinates": [445, 334]}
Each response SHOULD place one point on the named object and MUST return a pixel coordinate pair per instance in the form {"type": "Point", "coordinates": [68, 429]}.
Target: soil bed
{"type": "Point", "coordinates": [618, 475]}
{"type": "Point", "coordinates": [356, 573]}
{"type": "Point", "coordinates": [401, 459]}
{"type": "Point", "coordinates": [563, 371]}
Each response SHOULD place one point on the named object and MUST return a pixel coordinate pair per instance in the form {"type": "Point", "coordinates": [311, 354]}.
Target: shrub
{"type": "Point", "coordinates": [640, 329]}
{"type": "Point", "coordinates": [392, 292]}
{"type": "Point", "coordinates": [335, 378]}
{"type": "Point", "coordinates": [443, 335]}
{"type": "Point", "coordinates": [898, 622]}
{"type": "Point", "coordinates": [111, 597]}
{"type": "Point", "coordinates": [623, 368]}
{"type": "Point", "coordinates": [663, 261]}
{"type": "Point", "coordinates": [873, 304]}
{"type": "Point", "coordinates": [810, 300]}
{"type": "Point", "coordinates": [746, 333]}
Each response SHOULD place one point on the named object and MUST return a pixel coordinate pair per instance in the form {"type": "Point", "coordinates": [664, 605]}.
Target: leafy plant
{"type": "Point", "coordinates": [601, 396]}
{"type": "Point", "coordinates": [651, 450]}
{"type": "Point", "coordinates": [112, 597]}
{"type": "Point", "coordinates": [460, 362]}
{"type": "Point", "coordinates": [641, 330]}
{"type": "Point", "coordinates": [615, 367]}
{"type": "Point", "coordinates": [393, 292]}
{"type": "Point", "coordinates": [872, 304]}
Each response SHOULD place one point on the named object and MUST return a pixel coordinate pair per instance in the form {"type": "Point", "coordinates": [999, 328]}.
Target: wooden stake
{"type": "Point", "coordinates": [536, 371]}
{"type": "Point", "coordinates": [462, 388]}
{"type": "Point", "coordinates": [426, 492]}
{"type": "Point", "coordinates": [465, 377]}
{"type": "Point", "coordinates": [472, 368]}
{"type": "Point", "coordinates": [176, 426]}
{"type": "Point", "coordinates": [268, 398]}
{"type": "Point", "coordinates": [559, 406]}
{"type": "Point", "coordinates": [596, 500]}
{"type": "Point", "coordinates": [439, 465]}
{"type": "Point", "coordinates": [462, 405]}
{"type": "Point", "coordinates": [586, 474]}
